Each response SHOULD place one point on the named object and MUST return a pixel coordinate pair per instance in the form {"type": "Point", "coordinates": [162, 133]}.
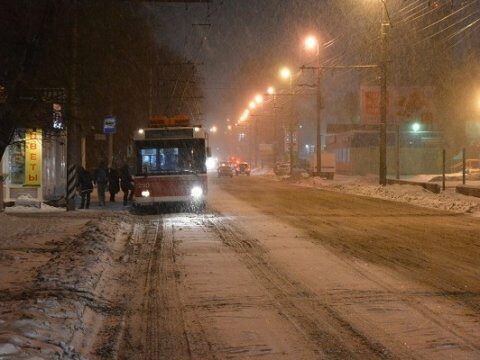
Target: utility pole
{"type": "Point", "coordinates": [275, 136]}
{"type": "Point", "coordinates": [73, 135]}
{"type": "Point", "coordinates": [255, 140]}
{"type": "Point", "coordinates": [318, 146]}
{"type": "Point", "coordinates": [291, 126]}
{"type": "Point", "coordinates": [397, 151]}
{"type": "Point", "coordinates": [383, 95]}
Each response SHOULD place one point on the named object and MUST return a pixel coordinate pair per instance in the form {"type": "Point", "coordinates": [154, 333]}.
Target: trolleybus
{"type": "Point", "coordinates": [171, 163]}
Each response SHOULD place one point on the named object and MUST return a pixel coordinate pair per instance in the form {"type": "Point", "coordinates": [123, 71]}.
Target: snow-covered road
{"type": "Point", "coordinates": [268, 270]}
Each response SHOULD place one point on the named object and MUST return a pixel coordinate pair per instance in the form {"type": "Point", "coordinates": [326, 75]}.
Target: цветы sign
{"type": "Point", "coordinates": [33, 157]}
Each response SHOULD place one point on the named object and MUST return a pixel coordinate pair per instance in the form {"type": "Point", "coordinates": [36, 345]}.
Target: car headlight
{"type": "Point", "coordinates": [145, 193]}
{"type": "Point", "coordinates": [196, 192]}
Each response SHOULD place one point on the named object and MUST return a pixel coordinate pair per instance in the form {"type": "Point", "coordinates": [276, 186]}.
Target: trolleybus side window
{"type": "Point", "coordinates": [149, 159]}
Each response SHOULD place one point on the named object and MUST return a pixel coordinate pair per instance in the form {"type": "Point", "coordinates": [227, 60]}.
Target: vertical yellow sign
{"type": "Point", "coordinates": [33, 157]}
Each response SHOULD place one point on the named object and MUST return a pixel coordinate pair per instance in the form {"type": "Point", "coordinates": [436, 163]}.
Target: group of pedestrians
{"type": "Point", "coordinates": [105, 178]}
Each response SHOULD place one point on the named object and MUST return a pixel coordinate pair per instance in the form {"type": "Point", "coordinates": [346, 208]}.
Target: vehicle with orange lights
{"type": "Point", "coordinates": [242, 168]}
{"type": "Point", "coordinates": [171, 163]}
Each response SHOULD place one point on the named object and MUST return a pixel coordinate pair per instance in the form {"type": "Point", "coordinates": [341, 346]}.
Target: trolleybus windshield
{"type": "Point", "coordinates": [171, 156]}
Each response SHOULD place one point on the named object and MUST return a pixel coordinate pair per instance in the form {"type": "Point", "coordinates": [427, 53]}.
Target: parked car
{"type": "Point", "coordinates": [242, 168]}
{"type": "Point", "coordinates": [282, 168]}
{"type": "Point", "coordinates": [225, 170]}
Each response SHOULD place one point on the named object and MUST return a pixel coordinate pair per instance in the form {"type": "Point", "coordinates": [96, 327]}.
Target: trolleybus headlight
{"type": "Point", "coordinates": [196, 192]}
{"type": "Point", "coordinates": [145, 193]}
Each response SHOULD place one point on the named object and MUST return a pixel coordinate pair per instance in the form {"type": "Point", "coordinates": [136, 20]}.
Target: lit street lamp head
{"type": "Point", "coordinates": [252, 105]}
{"type": "Point", "coordinates": [416, 127]}
{"type": "Point", "coordinates": [311, 42]}
{"type": "Point", "coordinates": [258, 99]}
{"type": "Point", "coordinates": [285, 73]}
{"type": "Point", "coordinates": [271, 90]}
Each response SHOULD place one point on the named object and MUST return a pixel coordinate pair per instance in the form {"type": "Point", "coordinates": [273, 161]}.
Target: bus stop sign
{"type": "Point", "coordinates": [109, 124]}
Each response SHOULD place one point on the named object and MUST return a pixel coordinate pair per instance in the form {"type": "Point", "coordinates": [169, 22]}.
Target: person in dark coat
{"type": "Point", "coordinates": [113, 183]}
{"type": "Point", "coordinates": [85, 187]}
{"type": "Point", "coordinates": [126, 184]}
{"type": "Point", "coordinates": [101, 178]}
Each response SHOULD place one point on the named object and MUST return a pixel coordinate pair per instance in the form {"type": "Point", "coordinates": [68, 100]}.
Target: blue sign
{"type": "Point", "coordinates": [109, 124]}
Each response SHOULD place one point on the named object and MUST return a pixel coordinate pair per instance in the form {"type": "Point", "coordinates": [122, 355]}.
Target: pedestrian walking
{"type": "Point", "coordinates": [101, 178]}
{"type": "Point", "coordinates": [126, 184]}
{"type": "Point", "coordinates": [113, 183]}
{"type": "Point", "coordinates": [85, 187]}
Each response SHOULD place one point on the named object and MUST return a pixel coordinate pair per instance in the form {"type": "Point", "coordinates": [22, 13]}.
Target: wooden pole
{"type": "Point", "coordinates": [443, 168]}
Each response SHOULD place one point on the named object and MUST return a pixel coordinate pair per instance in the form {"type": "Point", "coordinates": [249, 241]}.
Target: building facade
{"type": "Point", "coordinates": [34, 165]}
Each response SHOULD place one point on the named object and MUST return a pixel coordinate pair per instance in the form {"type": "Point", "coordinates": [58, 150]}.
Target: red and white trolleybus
{"type": "Point", "coordinates": [171, 163]}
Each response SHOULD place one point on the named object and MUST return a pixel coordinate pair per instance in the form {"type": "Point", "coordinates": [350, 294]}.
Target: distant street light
{"type": "Point", "coordinates": [416, 127]}
{"type": "Point", "coordinates": [252, 105]}
{"type": "Point", "coordinates": [311, 43]}
{"type": "Point", "coordinates": [258, 99]}
{"type": "Point", "coordinates": [244, 115]}
{"type": "Point", "coordinates": [285, 73]}
{"type": "Point", "coordinates": [271, 90]}
{"type": "Point", "coordinates": [213, 129]}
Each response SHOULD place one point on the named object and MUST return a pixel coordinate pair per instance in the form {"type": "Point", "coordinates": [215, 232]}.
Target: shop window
{"type": "Point", "coordinates": [16, 168]}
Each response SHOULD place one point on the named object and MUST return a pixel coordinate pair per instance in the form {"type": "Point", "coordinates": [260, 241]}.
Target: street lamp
{"type": "Point", "coordinates": [244, 115]}
{"type": "Point", "coordinates": [271, 91]}
{"type": "Point", "coordinates": [286, 74]}
{"type": "Point", "coordinates": [258, 99]}
{"type": "Point", "coordinates": [312, 44]}
{"type": "Point", "coordinates": [213, 129]}
{"type": "Point", "coordinates": [252, 105]}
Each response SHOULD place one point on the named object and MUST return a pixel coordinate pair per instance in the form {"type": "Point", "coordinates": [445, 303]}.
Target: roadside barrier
{"type": "Point", "coordinates": [432, 187]}
{"type": "Point", "coordinates": [468, 190]}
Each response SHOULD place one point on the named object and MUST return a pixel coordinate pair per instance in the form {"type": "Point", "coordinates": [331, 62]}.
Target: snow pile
{"type": "Point", "coordinates": [366, 186]}
{"type": "Point", "coordinates": [43, 318]}
{"type": "Point", "coordinates": [33, 209]}
{"type": "Point", "coordinates": [263, 171]}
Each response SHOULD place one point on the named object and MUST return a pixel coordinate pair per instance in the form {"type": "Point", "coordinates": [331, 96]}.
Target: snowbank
{"type": "Point", "coordinates": [367, 186]}
{"type": "Point", "coordinates": [263, 172]}
{"type": "Point", "coordinates": [33, 209]}
{"type": "Point", "coordinates": [58, 281]}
